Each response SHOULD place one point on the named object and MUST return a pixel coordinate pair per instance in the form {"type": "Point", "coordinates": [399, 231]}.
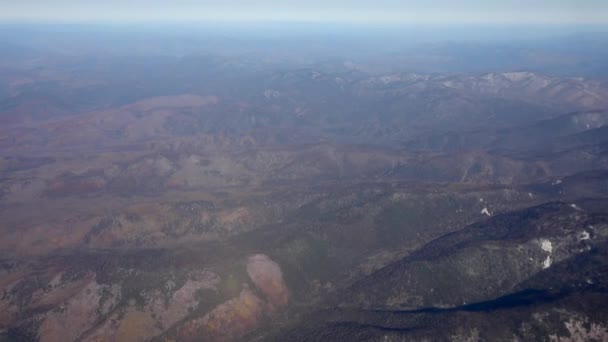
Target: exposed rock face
{"type": "Point", "coordinates": [266, 275]}
{"type": "Point", "coordinates": [179, 306]}
{"type": "Point", "coordinates": [73, 318]}
{"type": "Point", "coordinates": [228, 321]}
{"type": "Point", "coordinates": [582, 330]}
{"type": "Point", "coordinates": [141, 324]}
{"type": "Point", "coordinates": [76, 306]}
{"type": "Point", "coordinates": [234, 318]}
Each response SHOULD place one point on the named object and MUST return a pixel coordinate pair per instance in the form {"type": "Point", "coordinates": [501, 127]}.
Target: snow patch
{"type": "Point", "coordinates": [485, 211]}
{"type": "Point", "coordinates": [585, 236]}
{"type": "Point", "coordinates": [547, 263]}
{"type": "Point", "coordinates": [271, 94]}
{"type": "Point", "coordinates": [546, 246]}
{"type": "Point", "coordinates": [390, 79]}
{"type": "Point", "coordinates": [575, 207]}
{"type": "Point", "coordinates": [518, 75]}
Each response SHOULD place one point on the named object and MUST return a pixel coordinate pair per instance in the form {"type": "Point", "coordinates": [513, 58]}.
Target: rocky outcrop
{"type": "Point", "coordinates": [137, 323]}
{"type": "Point", "coordinates": [228, 321]}
{"type": "Point", "coordinates": [240, 315]}
{"type": "Point", "coordinates": [78, 314]}
{"type": "Point", "coordinates": [266, 275]}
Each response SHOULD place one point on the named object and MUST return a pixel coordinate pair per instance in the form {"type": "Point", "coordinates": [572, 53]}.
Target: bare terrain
{"type": "Point", "coordinates": [237, 197]}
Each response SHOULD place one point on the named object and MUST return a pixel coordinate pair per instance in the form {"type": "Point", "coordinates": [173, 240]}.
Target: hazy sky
{"type": "Point", "coordinates": [375, 11]}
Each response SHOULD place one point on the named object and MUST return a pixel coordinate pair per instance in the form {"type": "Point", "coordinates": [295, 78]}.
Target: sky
{"type": "Point", "coordinates": [592, 12]}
